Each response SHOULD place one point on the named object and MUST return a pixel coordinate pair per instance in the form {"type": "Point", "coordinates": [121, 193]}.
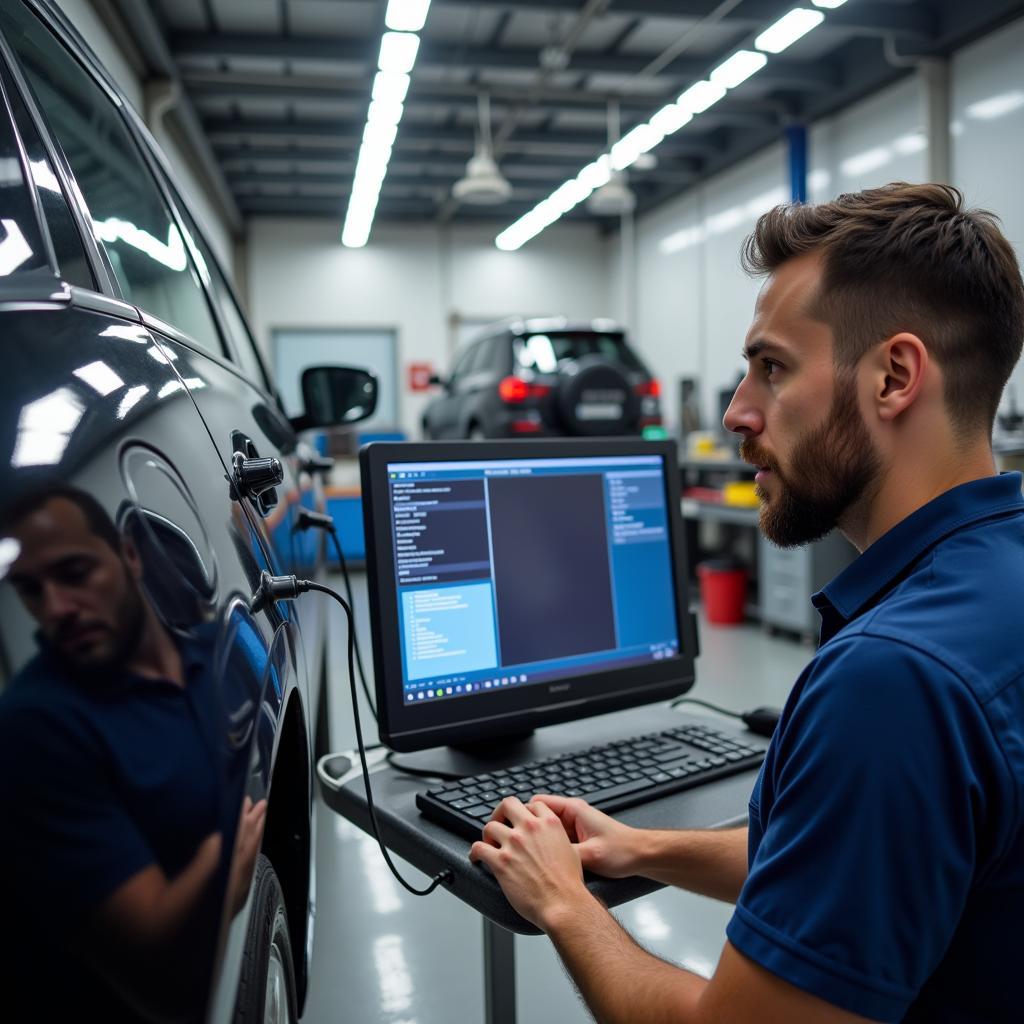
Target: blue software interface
{"type": "Point", "coordinates": [516, 572]}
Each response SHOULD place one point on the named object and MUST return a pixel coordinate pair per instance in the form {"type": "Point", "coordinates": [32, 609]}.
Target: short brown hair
{"type": "Point", "coordinates": [910, 258]}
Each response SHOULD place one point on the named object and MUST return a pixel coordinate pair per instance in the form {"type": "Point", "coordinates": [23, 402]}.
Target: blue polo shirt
{"type": "Point", "coordinates": [886, 841]}
{"type": "Point", "coordinates": [100, 778]}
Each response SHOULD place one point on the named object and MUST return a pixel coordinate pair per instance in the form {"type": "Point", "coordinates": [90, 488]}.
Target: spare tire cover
{"type": "Point", "coordinates": [597, 399]}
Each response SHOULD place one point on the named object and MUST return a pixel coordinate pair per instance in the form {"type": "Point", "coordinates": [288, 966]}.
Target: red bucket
{"type": "Point", "coordinates": [723, 592]}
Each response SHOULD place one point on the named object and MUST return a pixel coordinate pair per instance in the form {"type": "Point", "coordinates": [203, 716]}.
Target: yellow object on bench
{"type": "Point", "coordinates": [740, 493]}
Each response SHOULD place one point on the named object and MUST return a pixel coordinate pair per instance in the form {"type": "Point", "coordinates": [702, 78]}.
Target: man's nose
{"type": "Point", "coordinates": [58, 602]}
{"type": "Point", "coordinates": [743, 416]}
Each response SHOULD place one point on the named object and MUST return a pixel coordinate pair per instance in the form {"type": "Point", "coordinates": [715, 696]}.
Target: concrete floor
{"type": "Point", "coordinates": [383, 956]}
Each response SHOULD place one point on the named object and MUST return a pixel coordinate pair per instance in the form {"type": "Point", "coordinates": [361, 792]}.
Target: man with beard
{"type": "Point", "coordinates": [881, 876]}
{"type": "Point", "coordinates": [110, 783]}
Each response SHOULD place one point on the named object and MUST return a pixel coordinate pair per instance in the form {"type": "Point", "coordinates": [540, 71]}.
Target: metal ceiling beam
{"type": "Point", "coordinates": [358, 51]}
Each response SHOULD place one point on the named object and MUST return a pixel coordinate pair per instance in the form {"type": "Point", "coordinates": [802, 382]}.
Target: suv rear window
{"type": "Point", "coordinates": [546, 353]}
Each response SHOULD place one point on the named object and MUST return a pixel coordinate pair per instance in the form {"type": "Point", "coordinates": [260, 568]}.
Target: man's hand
{"type": "Point", "coordinates": [604, 845]}
{"type": "Point", "coordinates": [533, 860]}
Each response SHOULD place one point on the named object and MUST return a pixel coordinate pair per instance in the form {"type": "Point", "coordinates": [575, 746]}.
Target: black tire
{"type": "Point", "coordinates": [598, 385]}
{"type": "Point", "coordinates": [266, 988]}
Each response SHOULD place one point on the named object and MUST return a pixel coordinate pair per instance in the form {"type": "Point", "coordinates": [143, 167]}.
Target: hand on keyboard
{"type": "Point", "coordinates": [605, 846]}
{"type": "Point", "coordinates": [538, 869]}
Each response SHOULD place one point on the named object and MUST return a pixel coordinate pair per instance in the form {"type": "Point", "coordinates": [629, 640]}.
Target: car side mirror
{"type": "Point", "coordinates": [336, 396]}
{"type": "Point", "coordinates": [437, 380]}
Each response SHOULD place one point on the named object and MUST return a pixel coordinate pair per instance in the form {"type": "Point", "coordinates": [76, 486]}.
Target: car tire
{"type": "Point", "coordinates": [597, 378]}
{"type": "Point", "coordinates": [266, 988]}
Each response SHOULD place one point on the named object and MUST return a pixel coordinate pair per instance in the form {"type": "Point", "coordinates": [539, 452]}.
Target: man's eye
{"type": "Point", "coordinates": [770, 366]}
{"type": "Point", "coordinates": [75, 572]}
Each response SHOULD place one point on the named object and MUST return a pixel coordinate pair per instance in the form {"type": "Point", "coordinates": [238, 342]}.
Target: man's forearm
{"type": "Point", "coordinates": [712, 862]}
{"type": "Point", "coordinates": [619, 980]}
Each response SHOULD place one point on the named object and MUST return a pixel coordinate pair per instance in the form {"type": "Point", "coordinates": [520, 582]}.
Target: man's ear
{"type": "Point", "coordinates": [899, 366]}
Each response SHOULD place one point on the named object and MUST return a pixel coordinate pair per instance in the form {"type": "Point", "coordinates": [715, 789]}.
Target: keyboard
{"type": "Point", "coordinates": [610, 776]}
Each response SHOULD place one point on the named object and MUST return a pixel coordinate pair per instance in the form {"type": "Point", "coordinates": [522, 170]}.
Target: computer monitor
{"type": "Point", "coordinates": [516, 584]}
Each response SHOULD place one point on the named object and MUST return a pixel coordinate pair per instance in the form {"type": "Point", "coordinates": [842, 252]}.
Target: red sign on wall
{"type": "Point", "coordinates": [419, 375]}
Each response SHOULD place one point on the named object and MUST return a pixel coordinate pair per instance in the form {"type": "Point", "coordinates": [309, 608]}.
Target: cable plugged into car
{"type": "Point", "coordinates": [286, 588]}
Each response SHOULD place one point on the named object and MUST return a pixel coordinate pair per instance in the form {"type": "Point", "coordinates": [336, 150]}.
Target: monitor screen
{"type": "Point", "coordinates": [515, 584]}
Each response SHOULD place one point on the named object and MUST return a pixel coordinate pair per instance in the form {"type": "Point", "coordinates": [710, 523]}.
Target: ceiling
{"type": "Point", "coordinates": [280, 88]}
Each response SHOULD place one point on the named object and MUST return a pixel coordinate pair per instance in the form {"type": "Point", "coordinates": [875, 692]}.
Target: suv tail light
{"type": "Point", "coordinates": [513, 390]}
{"type": "Point", "coordinates": [649, 389]}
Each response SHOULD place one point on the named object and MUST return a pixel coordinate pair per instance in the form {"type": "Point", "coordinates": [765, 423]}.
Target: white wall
{"type": "Point", "coordinates": [694, 303]}
{"type": "Point", "coordinates": [414, 279]}
{"type": "Point", "coordinates": [988, 135]}
{"type": "Point", "coordinates": [201, 205]}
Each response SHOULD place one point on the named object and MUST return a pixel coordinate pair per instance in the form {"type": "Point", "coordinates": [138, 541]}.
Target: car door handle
{"type": "Point", "coordinates": [252, 477]}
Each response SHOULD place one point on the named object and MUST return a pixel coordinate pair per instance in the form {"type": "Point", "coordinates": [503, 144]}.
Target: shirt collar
{"type": "Point", "coordinates": [880, 567]}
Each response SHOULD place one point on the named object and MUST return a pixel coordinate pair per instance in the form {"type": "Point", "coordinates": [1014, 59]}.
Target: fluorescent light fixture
{"type": "Point", "coordinates": [407, 15]}
{"type": "Point", "coordinates": [788, 29]}
{"type": "Point", "coordinates": [996, 106]}
{"type": "Point", "coordinates": [639, 140]}
{"type": "Point", "coordinates": [389, 85]}
{"type": "Point", "coordinates": [596, 174]}
{"type": "Point", "coordinates": [378, 134]}
{"type": "Point", "coordinates": [100, 377]}
{"type": "Point", "coordinates": [738, 68]}
{"type": "Point", "coordinates": [398, 52]}
{"type": "Point", "coordinates": [385, 111]}
{"type": "Point", "coordinates": [355, 236]}
{"type": "Point", "coordinates": [670, 119]}
{"type": "Point", "coordinates": [700, 96]}
{"type": "Point", "coordinates": [829, 5]}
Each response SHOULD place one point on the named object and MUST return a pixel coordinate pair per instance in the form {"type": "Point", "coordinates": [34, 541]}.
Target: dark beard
{"type": "Point", "coordinates": [831, 469]}
{"type": "Point", "coordinates": [126, 640]}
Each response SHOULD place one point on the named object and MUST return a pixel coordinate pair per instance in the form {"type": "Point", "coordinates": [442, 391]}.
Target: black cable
{"type": "Point", "coordinates": [333, 531]}
{"type": "Point", "coordinates": [305, 519]}
{"type": "Point", "coordinates": [442, 876]}
{"type": "Point", "coordinates": [424, 773]}
{"type": "Point", "coordinates": [706, 704]}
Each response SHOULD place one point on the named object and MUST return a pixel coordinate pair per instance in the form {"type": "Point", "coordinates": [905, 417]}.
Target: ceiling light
{"type": "Point", "coordinates": [595, 174]}
{"type": "Point", "coordinates": [483, 183]}
{"type": "Point", "coordinates": [738, 68]}
{"type": "Point", "coordinates": [385, 111]}
{"type": "Point", "coordinates": [788, 29]}
{"type": "Point", "coordinates": [377, 134]}
{"type": "Point", "coordinates": [390, 85]}
{"type": "Point", "coordinates": [670, 119]}
{"type": "Point", "coordinates": [830, 5]}
{"type": "Point", "coordinates": [639, 140]}
{"type": "Point", "coordinates": [398, 52]}
{"type": "Point", "coordinates": [408, 15]}
{"type": "Point", "coordinates": [613, 198]}
{"type": "Point", "coordinates": [700, 96]}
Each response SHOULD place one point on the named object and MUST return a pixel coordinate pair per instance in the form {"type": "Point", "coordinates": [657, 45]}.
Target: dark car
{"type": "Point", "coordinates": [545, 377]}
{"type": "Point", "coordinates": [156, 723]}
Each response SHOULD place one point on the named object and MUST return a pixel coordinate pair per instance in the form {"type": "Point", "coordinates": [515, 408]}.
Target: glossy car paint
{"type": "Point", "coordinates": [100, 396]}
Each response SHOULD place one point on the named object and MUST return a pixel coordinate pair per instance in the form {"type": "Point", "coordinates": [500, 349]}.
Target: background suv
{"type": "Point", "coordinates": [156, 724]}
{"type": "Point", "coordinates": [545, 377]}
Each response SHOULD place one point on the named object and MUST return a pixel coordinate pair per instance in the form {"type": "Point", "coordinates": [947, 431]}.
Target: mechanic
{"type": "Point", "coordinates": [111, 780]}
{"type": "Point", "coordinates": [881, 876]}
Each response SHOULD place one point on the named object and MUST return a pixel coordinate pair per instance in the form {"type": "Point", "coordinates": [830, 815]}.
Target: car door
{"type": "Point", "coordinates": [448, 415]}
{"type": "Point", "coordinates": [99, 399]}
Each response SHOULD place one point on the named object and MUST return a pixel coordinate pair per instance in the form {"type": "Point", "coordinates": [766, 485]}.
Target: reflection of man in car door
{"type": "Point", "coordinates": [111, 781]}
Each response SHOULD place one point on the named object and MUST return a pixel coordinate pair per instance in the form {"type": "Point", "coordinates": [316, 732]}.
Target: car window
{"type": "Point", "coordinates": [462, 362]}
{"type": "Point", "coordinates": [72, 261]}
{"type": "Point", "coordinates": [242, 342]}
{"type": "Point", "coordinates": [130, 219]}
{"type": "Point", "coordinates": [545, 353]}
{"type": "Point", "coordinates": [21, 241]}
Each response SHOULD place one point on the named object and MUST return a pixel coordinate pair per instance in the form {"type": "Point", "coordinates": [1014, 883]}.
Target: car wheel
{"type": "Point", "coordinates": [266, 988]}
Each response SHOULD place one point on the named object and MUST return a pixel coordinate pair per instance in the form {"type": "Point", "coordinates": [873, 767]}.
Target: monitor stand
{"type": "Point", "coordinates": [474, 758]}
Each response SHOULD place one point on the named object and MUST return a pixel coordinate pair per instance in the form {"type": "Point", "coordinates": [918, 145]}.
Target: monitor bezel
{"type": "Point", "coordinates": [509, 713]}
